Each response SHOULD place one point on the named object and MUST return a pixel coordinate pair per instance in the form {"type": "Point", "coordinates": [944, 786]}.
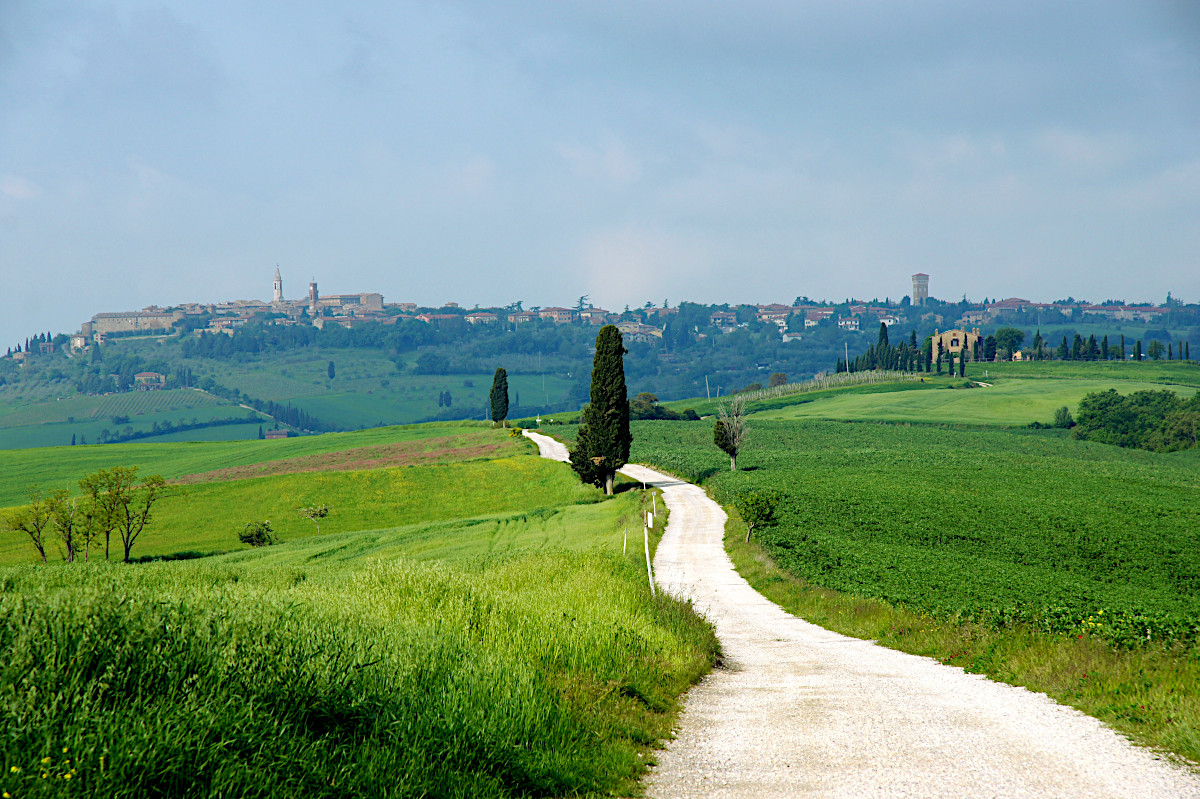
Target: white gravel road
{"type": "Point", "coordinates": [800, 711]}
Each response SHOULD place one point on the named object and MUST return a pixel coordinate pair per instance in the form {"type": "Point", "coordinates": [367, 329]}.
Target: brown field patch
{"type": "Point", "coordinates": [444, 449]}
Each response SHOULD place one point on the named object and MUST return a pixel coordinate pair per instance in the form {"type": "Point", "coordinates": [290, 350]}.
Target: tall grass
{"type": "Point", "coordinates": [537, 674]}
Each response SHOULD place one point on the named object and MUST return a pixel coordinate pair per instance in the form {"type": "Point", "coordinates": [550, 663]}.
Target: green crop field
{"type": "Point", "coordinates": [975, 524]}
{"type": "Point", "coordinates": [1008, 401]}
{"type": "Point", "coordinates": [41, 421]}
{"type": "Point", "coordinates": [367, 390]}
{"type": "Point", "coordinates": [440, 653]}
{"type": "Point", "coordinates": [63, 466]}
{"type": "Point", "coordinates": [1184, 373]}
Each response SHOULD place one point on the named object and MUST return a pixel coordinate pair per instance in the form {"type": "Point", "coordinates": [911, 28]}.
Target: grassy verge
{"type": "Point", "coordinates": [1148, 694]}
{"type": "Point", "coordinates": [542, 674]}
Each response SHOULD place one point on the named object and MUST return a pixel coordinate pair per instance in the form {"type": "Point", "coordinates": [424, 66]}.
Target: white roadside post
{"type": "Point", "coordinates": [649, 571]}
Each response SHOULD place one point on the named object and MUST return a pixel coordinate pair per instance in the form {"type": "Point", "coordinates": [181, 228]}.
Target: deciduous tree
{"type": "Point", "coordinates": [315, 513]}
{"type": "Point", "coordinates": [33, 520]}
{"type": "Point", "coordinates": [730, 431]}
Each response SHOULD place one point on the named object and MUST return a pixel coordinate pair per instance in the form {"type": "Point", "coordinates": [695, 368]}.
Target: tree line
{"type": "Point", "coordinates": [111, 501]}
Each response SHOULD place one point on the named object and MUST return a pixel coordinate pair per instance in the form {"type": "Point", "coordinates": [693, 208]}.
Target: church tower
{"type": "Point", "coordinates": [312, 298]}
{"type": "Point", "coordinates": [278, 296]}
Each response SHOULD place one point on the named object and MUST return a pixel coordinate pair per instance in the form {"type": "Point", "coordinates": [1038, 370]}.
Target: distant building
{"type": "Point", "coordinates": [481, 318]}
{"type": "Point", "coordinates": [849, 324]}
{"type": "Point", "coordinates": [561, 316]}
{"type": "Point", "coordinates": [635, 331]}
{"type": "Point", "coordinates": [274, 435]}
{"type": "Point", "coordinates": [145, 321]}
{"type": "Point", "coordinates": [956, 341]}
{"type": "Point", "coordinates": [149, 381]}
{"type": "Point", "coordinates": [277, 293]}
{"type": "Point", "coordinates": [920, 288]}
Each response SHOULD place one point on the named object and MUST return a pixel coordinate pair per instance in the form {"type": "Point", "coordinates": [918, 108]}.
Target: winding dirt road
{"type": "Point", "coordinates": [800, 711]}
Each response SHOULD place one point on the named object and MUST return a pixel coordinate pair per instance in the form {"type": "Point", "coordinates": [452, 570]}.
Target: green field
{"type": "Point", "coordinates": [40, 421]}
{"type": "Point", "coordinates": [484, 638]}
{"type": "Point", "coordinates": [970, 524]}
{"type": "Point", "coordinates": [1169, 372]}
{"type": "Point", "coordinates": [367, 391]}
{"type": "Point", "coordinates": [65, 465]}
{"type": "Point", "coordinates": [1008, 401]}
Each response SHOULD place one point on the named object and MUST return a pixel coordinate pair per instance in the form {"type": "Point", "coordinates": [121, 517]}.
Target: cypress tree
{"type": "Point", "coordinates": [1137, 350]}
{"type": "Point", "coordinates": [602, 446]}
{"type": "Point", "coordinates": [1104, 353]}
{"type": "Point", "coordinates": [1187, 349]}
{"type": "Point", "coordinates": [1121, 352]}
{"type": "Point", "coordinates": [1064, 351]}
{"type": "Point", "coordinates": [962, 363]}
{"type": "Point", "coordinates": [499, 397]}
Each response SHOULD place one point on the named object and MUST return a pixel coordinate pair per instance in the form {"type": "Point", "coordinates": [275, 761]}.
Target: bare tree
{"type": "Point", "coordinates": [730, 432]}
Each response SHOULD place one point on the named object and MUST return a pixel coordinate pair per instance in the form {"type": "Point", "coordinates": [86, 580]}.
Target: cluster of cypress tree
{"type": "Point", "coordinates": [904, 357]}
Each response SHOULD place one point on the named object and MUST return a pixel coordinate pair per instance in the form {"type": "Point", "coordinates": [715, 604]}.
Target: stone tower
{"type": "Point", "coordinates": [312, 298]}
{"type": "Point", "coordinates": [278, 295]}
{"type": "Point", "coordinates": [920, 288]}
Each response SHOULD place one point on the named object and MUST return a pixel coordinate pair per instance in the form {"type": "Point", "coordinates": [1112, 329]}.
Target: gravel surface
{"type": "Point", "coordinates": [797, 710]}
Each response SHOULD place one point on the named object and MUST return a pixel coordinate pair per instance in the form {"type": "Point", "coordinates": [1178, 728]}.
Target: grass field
{"type": "Point", "coordinates": [1184, 373]}
{"type": "Point", "coordinates": [41, 421]}
{"type": "Point", "coordinates": [511, 654]}
{"type": "Point", "coordinates": [367, 391]}
{"type": "Point", "coordinates": [1008, 401]}
{"type": "Point", "coordinates": [65, 465]}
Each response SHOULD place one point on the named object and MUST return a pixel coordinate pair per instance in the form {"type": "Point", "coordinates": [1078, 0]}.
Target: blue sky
{"type": "Point", "coordinates": [488, 152]}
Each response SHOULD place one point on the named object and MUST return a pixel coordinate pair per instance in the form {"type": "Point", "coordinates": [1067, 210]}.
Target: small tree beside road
{"type": "Point", "coordinates": [757, 508]}
{"type": "Point", "coordinates": [729, 432]}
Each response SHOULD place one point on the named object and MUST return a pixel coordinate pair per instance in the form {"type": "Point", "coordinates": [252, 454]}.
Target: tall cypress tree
{"type": "Point", "coordinates": [602, 446]}
{"type": "Point", "coordinates": [499, 397]}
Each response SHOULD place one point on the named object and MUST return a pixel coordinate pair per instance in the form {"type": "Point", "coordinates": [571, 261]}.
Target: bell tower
{"type": "Point", "coordinates": [278, 295]}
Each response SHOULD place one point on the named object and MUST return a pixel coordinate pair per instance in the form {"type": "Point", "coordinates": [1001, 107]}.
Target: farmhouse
{"type": "Point", "coordinates": [955, 340]}
{"type": "Point", "coordinates": [149, 381]}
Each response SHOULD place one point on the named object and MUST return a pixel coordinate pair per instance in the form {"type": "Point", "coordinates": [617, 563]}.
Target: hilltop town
{"type": "Point", "coordinates": [643, 324]}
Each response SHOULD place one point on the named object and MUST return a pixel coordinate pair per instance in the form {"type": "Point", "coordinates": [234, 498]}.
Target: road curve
{"type": "Point", "coordinates": [799, 711]}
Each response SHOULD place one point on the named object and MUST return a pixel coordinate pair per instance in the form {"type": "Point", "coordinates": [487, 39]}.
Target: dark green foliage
{"type": "Point", "coordinates": [331, 371]}
{"type": "Point", "coordinates": [1009, 340]}
{"type": "Point", "coordinates": [499, 396]}
{"type": "Point", "coordinates": [258, 534]}
{"type": "Point", "coordinates": [1154, 420]}
{"type": "Point", "coordinates": [645, 406]}
{"type": "Point", "coordinates": [1062, 418]}
{"type": "Point", "coordinates": [757, 508]}
{"type": "Point", "coordinates": [604, 437]}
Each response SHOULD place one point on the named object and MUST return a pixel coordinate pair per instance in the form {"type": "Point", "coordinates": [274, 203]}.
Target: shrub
{"type": "Point", "coordinates": [258, 534]}
{"type": "Point", "coordinates": [1063, 418]}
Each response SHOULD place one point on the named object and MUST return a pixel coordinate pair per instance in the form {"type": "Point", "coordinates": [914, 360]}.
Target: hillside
{"type": "Point", "coordinates": [464, 625]}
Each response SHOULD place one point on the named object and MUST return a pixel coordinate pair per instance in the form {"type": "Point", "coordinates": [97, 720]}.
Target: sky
{"type": "Point", "coordinates": [489, 152]}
